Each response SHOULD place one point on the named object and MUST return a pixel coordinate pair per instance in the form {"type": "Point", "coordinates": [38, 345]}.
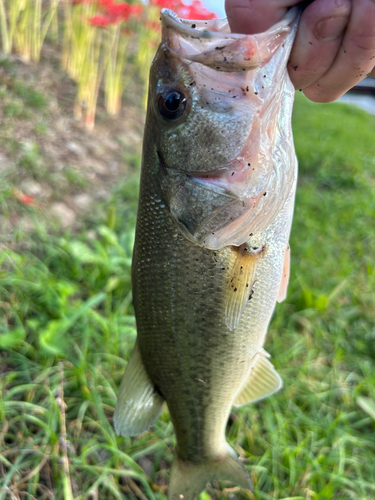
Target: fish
{"type": "Point", "coordinates": [211, 253]}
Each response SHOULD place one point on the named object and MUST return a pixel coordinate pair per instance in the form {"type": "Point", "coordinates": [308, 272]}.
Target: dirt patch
{"type": "Point", "coordinates": [48, 161]}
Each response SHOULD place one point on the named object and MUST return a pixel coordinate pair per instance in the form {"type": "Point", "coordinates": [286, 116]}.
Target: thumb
{"type": "Point", "coordinates": [255, 16]}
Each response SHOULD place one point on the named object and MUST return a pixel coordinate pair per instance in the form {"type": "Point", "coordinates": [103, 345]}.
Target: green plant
{"type": "Point", "coordinates": [95, 45]}
{"type": "Point", "coordinates": [67, 329]}
{"type": "Point", "coordinates": [24, 25]}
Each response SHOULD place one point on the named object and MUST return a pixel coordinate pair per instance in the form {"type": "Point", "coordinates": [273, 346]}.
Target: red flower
{"type": "Point", "coordinates": [113, 13]}
{"type": "Point", "coordinates": [136, 10]}
{"type": "Point", "coordinates": [168, 4]}
{"type": "Point", "coordinates": [23, 198]}
{"type": "Point", "coordinates": [194, 10]}
{"type": "Point", "coordinates": [27, 199]}
{"type": "Point", "coordinates": [100, 21]}
{"type": "Point", "coordinates": [117, 12]}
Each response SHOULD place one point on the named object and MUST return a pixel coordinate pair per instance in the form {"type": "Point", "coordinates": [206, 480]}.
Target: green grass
{"type": "Point", "coordinates": [21, 101]}
{"type": "Point", "coordinates": [20, 106]}
{"type": "Point", "coordinates": [29, 95]}
{"type": "Point", "coordinates": [67, 329]}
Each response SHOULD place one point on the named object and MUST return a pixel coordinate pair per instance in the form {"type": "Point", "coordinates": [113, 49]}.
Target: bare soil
{"type": "Point", "coordinates": [50, 164]}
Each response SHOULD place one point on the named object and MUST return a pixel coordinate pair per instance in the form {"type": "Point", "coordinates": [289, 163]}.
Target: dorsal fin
{"type": "Point", "coordinates": [240, 284]}
{"type": "Point", "coordinates": [262, 382]}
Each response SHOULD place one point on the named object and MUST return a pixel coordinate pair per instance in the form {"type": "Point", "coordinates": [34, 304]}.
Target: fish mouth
{"type": "Point", "coordinates": [227, 180]}
{"type": "Point", "coordinates": [213, 181]}
{"type": "Point", "coordinates": [211, 42]}
{"type": "Point", "coordinates": [225, 205]}
{"type": "Point", "coordinates": [211, 213]}
{"type": "Point", "coordinates": [216, 28]}
{"type": "Point", "coordinates": [209, 207]}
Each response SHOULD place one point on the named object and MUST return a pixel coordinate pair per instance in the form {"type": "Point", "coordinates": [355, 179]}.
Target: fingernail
{"type": "Point", "coordinates": [330, 28]}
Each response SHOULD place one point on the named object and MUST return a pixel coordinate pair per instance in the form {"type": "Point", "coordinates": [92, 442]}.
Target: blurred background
{"type": "Point", "coordinates": [73, 82]}
{"type": "Point", "coordinates": [216, 6]}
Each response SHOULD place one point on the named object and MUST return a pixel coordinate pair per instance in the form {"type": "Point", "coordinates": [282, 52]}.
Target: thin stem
{"type": "Point", "coordinates": [7, 46]}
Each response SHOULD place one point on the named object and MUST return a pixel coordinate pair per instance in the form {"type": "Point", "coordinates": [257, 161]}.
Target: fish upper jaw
{"type": "Point", "coordinates": [211, 43]}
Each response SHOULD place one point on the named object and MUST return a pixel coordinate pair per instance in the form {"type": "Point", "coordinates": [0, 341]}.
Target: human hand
{"type": "Point", "coordinates": [334, 47]}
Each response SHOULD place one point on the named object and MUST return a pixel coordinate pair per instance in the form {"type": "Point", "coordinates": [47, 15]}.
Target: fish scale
{"type": "Point", "coordinates": [210, 250]}
{"type": "Point", "coordinates": [188, 310]}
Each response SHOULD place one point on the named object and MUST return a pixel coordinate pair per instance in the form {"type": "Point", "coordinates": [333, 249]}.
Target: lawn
{"type": "Point", "coordinates": [67, 329]}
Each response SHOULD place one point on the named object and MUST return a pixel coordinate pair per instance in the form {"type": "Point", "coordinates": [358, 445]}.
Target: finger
{"type": "Point", "coordinates": [355, 58]}
{"type": "Point", "coordinates": [318, 40]}
{"type": "Point", "coordinates": [255, 16]}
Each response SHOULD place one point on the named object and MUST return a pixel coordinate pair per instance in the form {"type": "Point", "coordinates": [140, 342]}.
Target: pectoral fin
{"type": "Point", "coordinates": [285, 276]}
{"type": "Point", "coordinates": [138, 404]}
{"type": "Point", "coordinates": [240, 284]}
{"type": "Point", "coordinates": [262, 382]}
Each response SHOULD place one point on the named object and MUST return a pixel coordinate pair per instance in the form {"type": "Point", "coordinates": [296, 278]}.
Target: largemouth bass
{"type": "Point", "coordinates": [211, 254]}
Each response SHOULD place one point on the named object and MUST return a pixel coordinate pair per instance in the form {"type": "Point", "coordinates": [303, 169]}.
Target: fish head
{"type": "Point", "coordinates": [214, 111]}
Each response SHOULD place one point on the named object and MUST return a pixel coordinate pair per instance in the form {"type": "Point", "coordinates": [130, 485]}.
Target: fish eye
{"type": "Point", "coordinates": [172, 104]}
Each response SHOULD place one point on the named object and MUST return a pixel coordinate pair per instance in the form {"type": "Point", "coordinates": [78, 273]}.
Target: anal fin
{"type": "Point", "coordinates": [285, 276]}
{"type": "Point", "coordinates": [138, 404]}
{"type": "Point", "coordinates": [262, 382]}
{"type": "Point", "coordinates": [240, 284]}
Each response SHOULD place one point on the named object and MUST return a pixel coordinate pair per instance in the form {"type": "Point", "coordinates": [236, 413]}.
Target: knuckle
{"type": "Point", "coordinates": [363, 42]}
{"type": "Point", "coordinates": [322, 94]}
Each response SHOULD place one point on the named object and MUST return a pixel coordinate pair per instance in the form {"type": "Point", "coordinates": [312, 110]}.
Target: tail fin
{"type": "Point", "coordinates": [188, 479]}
